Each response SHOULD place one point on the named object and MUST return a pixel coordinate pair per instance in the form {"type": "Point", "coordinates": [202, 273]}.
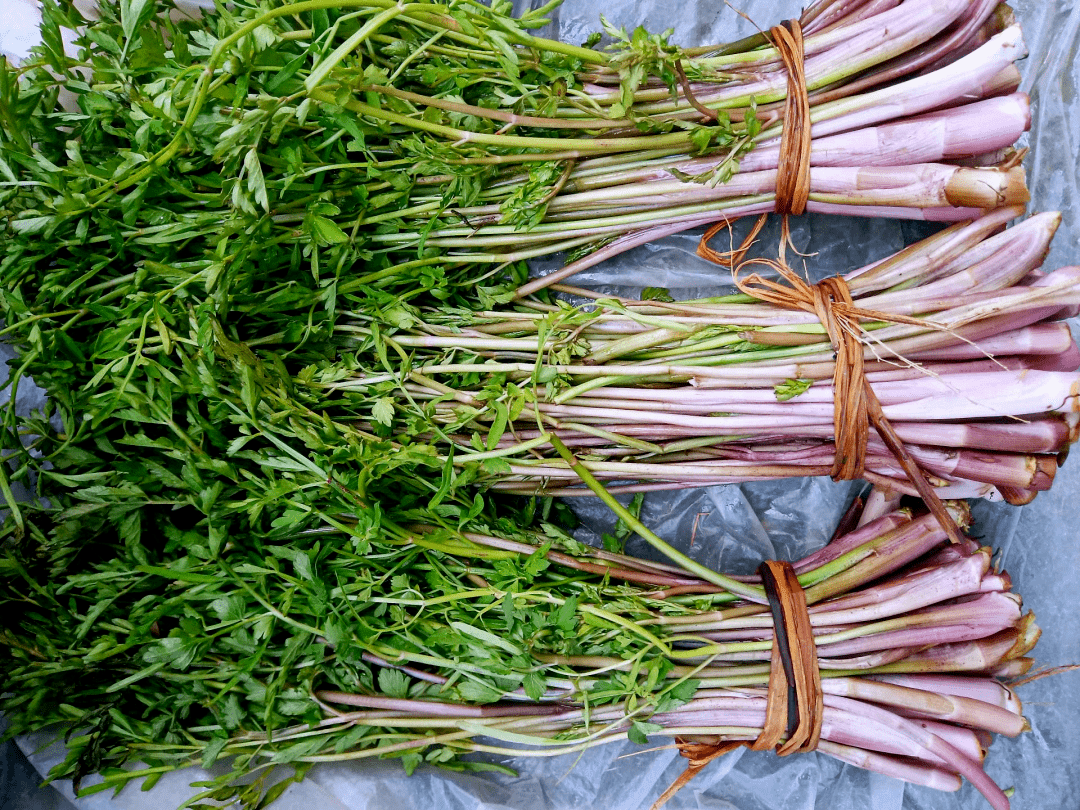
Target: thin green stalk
{"type": "Point", "coordinates": [748, 592]}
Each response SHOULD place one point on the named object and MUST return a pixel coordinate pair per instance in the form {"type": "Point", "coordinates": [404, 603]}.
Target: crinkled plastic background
{"type": "Point", "coordinates": [734, 527]}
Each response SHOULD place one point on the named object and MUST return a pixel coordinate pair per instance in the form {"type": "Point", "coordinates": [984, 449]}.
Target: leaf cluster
{"type": "Point", "coordinates": [204, 527]}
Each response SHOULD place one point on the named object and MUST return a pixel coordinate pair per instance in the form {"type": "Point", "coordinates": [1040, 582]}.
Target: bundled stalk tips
{"type": "Point", "coordinates": [429, 643]}
{"type": "Point", "coordinates": [433, 145]}
{"type": "Point", "coordinates": [969, 356]}
{"type": "Point", "coordinates": [255, 259]}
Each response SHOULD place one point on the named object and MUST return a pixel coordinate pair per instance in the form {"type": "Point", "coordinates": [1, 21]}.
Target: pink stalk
{"type": "Point", "coordinates": [682, 223]}
{"type": "Point", "coordinates": [967, 741]}
{"type": "Point", "coordinates": [911, 592]}
{"type": "Point", "coordinates": [436, 708]}
{"type": "Point", "coordinates": [964, 766]}
{"type": "Point", "coordinates": [937, 136]}
{"type": "Point", "coordinates": [886, 524]}
{"type": "Point", "coordinates": [985, 690]}
{"type": "Point", "coordinates": [1023, 471]}
{"type": "Point", "coordinates": [1068, 360]}
{"type": "Point", "coordinates": [926, 185]}
{"type": "Point", "coordinates": [1048, 339]}
{"type": "Point", "coordinates": [915, 261]}
{"type": "Point", "coordinates": [953, 708]}
{"type": "Point", "coordinates": [891, 552]}
{"type": "Point", "coordinates": [997, 262]}
{"type": "Point", "coordinates": [966, 490]}
{"type": "Point", "coordinates": [982, 655]}
{"type": "Point", "coordinates": [879, 502]}
{"type": "Point", "coordinates": [905, 770]}
{"type": "Point", "coordinates": [883, 660]}
{"type": "Point", "coordinates": [945, 135]}
{"type": "Point", "coordinates": [821, 16]}
{"type": "Point", "coordinates": [893, 395]}
{"type": "Point", "coordinates": [856, 725]}
{"type": "Point", "coordinates": [975, 26]}
{"type": "Point", "coordinates": [922, 93]}
{"type": "Point", "coordinates": [851, 726]}
{"type": "Point", "coordinates": [1041, 435]}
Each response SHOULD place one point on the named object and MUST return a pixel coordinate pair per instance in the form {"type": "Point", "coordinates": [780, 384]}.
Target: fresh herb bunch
{"type": "Point", "coordinates": [448, 641]}
{"type": "Point", "coordinates": [295, 143]}
{"type": "Point", "coordinates": [182, 191]}
{"type": "Point", "coordinates": [663, 394]}
{"type": "Point", "coordinates": [192, 205]}
{"type": "Point", "coordinates": [179, 196]}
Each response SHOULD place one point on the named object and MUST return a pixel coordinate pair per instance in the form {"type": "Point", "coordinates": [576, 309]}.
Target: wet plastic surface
{"type": "Point", "coordinates": [732, 527]}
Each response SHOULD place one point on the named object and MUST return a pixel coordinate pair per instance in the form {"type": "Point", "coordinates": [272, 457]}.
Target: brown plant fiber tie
{"type": "Point", "coordinates": [793, 167]}
{"type": "Point", "coordinates": [793, 173]}
{"type": "Point", "coordinates": [856, 406]}
{"type": "Point", "coordinates": [794, 704]}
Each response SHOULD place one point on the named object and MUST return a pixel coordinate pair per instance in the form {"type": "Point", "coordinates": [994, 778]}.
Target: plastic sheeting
{"type": "Point", "coordinates": [734, 527]}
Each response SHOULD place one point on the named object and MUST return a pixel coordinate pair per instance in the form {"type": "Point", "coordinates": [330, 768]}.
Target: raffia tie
{"type": "Point", "coordinates": [830, 301]}
{"type": "Point", "coordinates": [855, 405]}
{"type": "Point", "coordinates": [794, 705]}
{"type": "Point", "coordinates": [793, 167]}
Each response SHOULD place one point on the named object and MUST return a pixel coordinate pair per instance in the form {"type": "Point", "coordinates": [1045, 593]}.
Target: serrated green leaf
{"type": "Point", "coordinates": [639, 730]}
{"type": "Point", "coordinates": [393, 683]}
{"type": "Point", "coordinates": [789, 389]}
{"type": "Point", "coordinates": [383, 411]}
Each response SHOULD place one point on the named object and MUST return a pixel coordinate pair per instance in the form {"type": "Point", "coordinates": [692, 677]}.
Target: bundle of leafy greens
{"type": "Point", "coordinates": [968, 350]}
{"type": "Point", "coordinates": [437, 146]}
{"type": "Point", "coordinates": [191, 205]}
{"type": "Point", "coordinates": [337, 633]}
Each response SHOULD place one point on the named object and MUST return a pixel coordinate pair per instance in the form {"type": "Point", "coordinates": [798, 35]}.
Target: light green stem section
{"type": "Point", "coordinates": [748, 592]}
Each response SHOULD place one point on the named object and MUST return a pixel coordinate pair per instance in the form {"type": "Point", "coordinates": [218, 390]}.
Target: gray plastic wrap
{"type": "Point", "coordinates": [734, 527]}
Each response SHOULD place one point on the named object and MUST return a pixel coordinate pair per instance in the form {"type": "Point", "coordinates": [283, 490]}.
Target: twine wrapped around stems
{"type": "Point", "coordinates": [794, 702]}
{"type": "Point", "coordinates": [856, 406]}
{"type": "Point", "coordinates": [794, 706]}
{"type": "Point", "coordinates": [793, 168]}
